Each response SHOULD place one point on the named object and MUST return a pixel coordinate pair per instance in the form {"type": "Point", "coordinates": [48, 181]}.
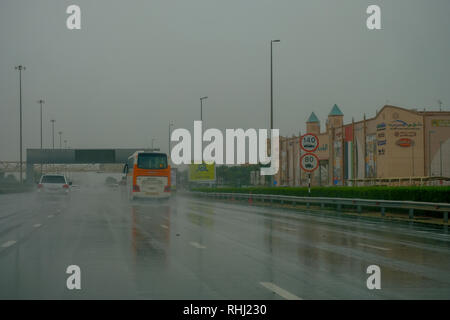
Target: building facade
{"type": "Point", "coordinates": [397, 143]}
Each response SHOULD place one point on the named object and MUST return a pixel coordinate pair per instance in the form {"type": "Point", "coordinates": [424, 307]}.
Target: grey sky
{"type": "Point", "coordinates": [135, 65]}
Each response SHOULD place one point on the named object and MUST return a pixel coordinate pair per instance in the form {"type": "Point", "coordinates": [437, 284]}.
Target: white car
{"type": "Point", "coordinates": [56, 184]}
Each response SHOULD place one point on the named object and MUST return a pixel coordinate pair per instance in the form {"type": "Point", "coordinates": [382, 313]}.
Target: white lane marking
{"type": "Point", "coordinates": [241, 219]}
{"type": "Point", "coordinates": [8, 243]}
{"type": "Point", "coordinates": [279, 291]}
{"type": "Point", "coordinates": [37, 225]}
{"type": "Point", "coordinates": [197, 245]}
{"type": "Point", "coordinates": [373, 247]}
{"type": "Point", "coordinates": [288, 229]}
{"type": "Point", "coordinates": [164, 226]}
{"type": "Point", "coordinates": [50, 216]}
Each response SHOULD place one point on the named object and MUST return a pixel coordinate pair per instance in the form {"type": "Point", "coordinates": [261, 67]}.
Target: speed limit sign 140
{"type": "Point", "coordinates": [309, 162]}
{"type": "Point", "coordinates": [309, 142]}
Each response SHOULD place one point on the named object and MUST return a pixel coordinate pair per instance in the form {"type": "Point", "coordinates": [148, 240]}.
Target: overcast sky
{"type": "Point", "coordinates": [137, 64]}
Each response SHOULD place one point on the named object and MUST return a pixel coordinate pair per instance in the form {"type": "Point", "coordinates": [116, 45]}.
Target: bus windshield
{"type": "Point", "coordinates": [152, 161]}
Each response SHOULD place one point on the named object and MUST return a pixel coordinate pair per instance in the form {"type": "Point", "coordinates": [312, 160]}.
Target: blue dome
{"type": "Point", "coordinates": [335, 111]}
{"type": "Point", "coordinates": [312, 118]}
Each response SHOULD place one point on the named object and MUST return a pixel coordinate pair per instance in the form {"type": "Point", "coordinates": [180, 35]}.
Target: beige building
{"type": "Point", "coordinates": [396, 143]}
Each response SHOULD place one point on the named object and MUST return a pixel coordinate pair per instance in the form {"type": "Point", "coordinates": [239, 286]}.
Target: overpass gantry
{"type": "Point", "coordinates": [88, 157]}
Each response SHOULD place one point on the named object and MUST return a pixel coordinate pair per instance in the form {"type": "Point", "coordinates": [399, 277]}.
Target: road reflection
{"type": "Point", "coordinates": [150, 231]}
{"type": "Point", "coordinates": [200, 216]}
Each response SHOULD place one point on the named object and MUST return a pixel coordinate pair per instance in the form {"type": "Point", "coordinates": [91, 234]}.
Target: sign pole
{"type": "Point", "coordinates": [309, 183]}
{"type": "Point", "coordinates": [309, 162]}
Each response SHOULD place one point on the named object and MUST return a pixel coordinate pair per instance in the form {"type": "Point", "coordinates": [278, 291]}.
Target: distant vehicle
{"type": "Point", "coordinates": [148, 175]}
{"type": "Point", "coordinates": [55, 184]}
{"type": "Point", "coordinates": [111, 183]}
{"type": "Point", "coordinates": [123, 181]}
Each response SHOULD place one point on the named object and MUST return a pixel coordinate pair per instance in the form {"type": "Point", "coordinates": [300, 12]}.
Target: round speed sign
{"type": "Point", "coordinates": [309, 162]}
{"type": "Point", "coordinates": [309, 142]}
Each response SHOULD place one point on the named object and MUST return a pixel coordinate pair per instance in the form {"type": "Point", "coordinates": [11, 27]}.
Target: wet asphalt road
{"type": "Point", "coordinates": [189, 248]}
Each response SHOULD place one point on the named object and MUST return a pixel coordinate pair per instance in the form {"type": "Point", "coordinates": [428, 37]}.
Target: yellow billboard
{"type": "Point", "coordinates": [202, 172]}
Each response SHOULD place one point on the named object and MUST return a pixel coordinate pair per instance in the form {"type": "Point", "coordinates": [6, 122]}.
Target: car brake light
{"type": "Point", "coordinates": [40, 185]}
{"type": "Point", "coordinates": [136, 188]}
{"type": "Point", "coordinates": [167, 189]}
{"type": "Point", "coordinates": [65, 186]}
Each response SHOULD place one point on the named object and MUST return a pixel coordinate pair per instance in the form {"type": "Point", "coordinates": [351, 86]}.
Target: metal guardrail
{"type": "Point", "coordinates": [338, 202]}
{"type": "Point", "coordinates": [426, 180]}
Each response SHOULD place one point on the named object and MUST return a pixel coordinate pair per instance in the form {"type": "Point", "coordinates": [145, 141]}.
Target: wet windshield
{"type": "Point", "coordinates": [225, 150]}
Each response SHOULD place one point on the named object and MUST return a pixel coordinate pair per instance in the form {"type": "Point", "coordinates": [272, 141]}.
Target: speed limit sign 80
{"type": "Point", "coordinates": [309, 162]}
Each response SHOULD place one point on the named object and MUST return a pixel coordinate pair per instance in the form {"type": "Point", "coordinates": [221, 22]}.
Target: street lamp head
{"type": "Point", "coordinates": [19, 67]}
{"type": "Point", "coordinates": [202, 98]}
{"type": "Point", "coordinates": [276, 40]}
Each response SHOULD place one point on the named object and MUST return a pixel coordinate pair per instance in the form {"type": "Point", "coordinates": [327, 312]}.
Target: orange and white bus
{"type": "Point", "coordinates": [148, 175]}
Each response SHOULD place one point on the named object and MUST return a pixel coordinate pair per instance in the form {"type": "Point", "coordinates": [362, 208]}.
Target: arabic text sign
{"type": "Point", "coordinates": [440, 123]}
{"type": "Point", "coordinates": [202, 172]}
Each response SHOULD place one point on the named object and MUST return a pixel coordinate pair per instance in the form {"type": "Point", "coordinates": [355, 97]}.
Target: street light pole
{"type": "Point", "coordinates": [20, 68]}
{"type": "Point", "coordinates": [170, 125]}
{"type": "Point", "coordinates": [53, 132]}
{"type": "Point", "coordinates": [271, 97]}
{"type": "Point", "coordinates": [429, 152]}
{"type": "Point", "coordinates": [271, 82]}
{"type": "Point", "coordinates": [201, 119]}
{"type": "Point", "coordinates": [440, 104]}
{"type": "Point", "coordinates": [440, 156]}
{"type": "Point", "coordinates": [41, 102]}
{"type": "Point", "coordinates": [201, 107]}
{"type": "Point", "coordinates": [60, 141]}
